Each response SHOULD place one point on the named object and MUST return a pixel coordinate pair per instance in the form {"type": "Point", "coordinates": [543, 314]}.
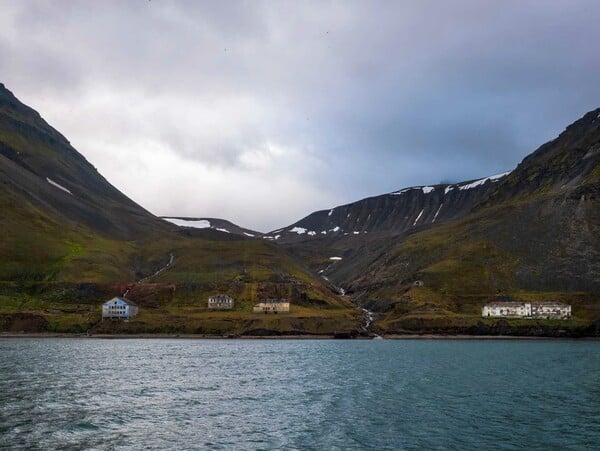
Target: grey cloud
{"type": "Point", "coordinates": [345, 99]}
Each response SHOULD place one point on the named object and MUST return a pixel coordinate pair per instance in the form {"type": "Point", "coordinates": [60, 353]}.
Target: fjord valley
{"type": "Point", "coordinates": [70, 241]}
{"type": "Point", "coordinates": [421, 260]}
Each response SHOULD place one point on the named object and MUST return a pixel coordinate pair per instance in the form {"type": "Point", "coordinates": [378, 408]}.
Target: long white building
{"type": "Point", "coordinates": [272, 306]}
{"type": "Point", "coordinates": [543, 310]}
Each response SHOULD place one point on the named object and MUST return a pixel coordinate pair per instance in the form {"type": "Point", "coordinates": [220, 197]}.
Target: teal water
{"type": "Point", "coordinates": [294, 394]}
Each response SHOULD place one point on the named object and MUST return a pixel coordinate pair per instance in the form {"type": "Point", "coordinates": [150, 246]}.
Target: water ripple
{"type": "Point", "coordinates": [309, 395]}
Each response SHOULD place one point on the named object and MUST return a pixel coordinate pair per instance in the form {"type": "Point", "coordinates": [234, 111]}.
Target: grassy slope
{"type": "Point", "coordinates": [75, 271]}
{"type": "Point", "coordinates": [175, 300]}
{"type": "Point", "coordinates": [467, 263]}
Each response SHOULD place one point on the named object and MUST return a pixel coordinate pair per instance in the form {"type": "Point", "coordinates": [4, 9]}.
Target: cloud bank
{"type": "Point", "coordinates": [261, 112]}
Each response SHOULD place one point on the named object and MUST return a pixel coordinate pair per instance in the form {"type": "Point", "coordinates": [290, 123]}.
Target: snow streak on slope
{"type": "Point", "coordinates": [53, 183]}
{"type": "Point", "coordinates": [418, 217]}
{"type": "Point", "coordinates": [492, 178]}
{"type": "Point", "coordinates": [437, 212]}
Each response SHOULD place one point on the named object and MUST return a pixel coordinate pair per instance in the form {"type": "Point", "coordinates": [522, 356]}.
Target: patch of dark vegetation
{"type": "Point", "coordinates": [502, 327]}
{"type": "Point", "coordinates": [22, 322]}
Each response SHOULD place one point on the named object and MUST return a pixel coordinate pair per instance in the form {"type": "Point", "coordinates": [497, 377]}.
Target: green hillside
{"type": "Point", "coordinates": [535, 237]}
{"type": "Point", "coordinates": [70, 241]}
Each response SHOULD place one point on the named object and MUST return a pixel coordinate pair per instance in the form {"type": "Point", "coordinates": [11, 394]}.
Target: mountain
{"type": "Point", "coordinates": [339, 242]}
{"type": "Point", "coordinates": [41, 169]}
{"type": "Point", "coordinates": [396, 212]}
{"type": "Point", "coordinates": [70, 240]}
{"type": "Point", "coordinates": [222, 225]}
{"type": "Point", "coordinates": [533, 234]}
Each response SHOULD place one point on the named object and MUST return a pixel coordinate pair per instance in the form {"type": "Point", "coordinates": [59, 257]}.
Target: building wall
{"type": "Point", "coordinates": [220, 305]}
{"type": "Point", "coordinates": [507, 311]}
{"type": "Point", "coordinates": [271, 307]}
{"type": "Point", "coordinates": [527, 310]}
{"type": "Point", "coordinates": [551, 311]}
{"type": "Point", "coordinates": [220, 302]}
{"type": "Point", "coordinates": [115, 311]}
{"type": "Point", "coordinates": [119, 310]}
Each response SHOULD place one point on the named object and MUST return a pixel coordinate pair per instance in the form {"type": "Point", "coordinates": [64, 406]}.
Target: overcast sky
{"type": "Point", "coordinates": [261, 112]}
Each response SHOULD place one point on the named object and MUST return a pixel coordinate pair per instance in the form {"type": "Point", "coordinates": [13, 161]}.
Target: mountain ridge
{"type": "Point", "coordinates": [403, 209]}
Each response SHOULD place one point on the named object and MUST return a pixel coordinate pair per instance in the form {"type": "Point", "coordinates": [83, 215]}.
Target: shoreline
{"type": "Point", "coordinates": [12, 335]}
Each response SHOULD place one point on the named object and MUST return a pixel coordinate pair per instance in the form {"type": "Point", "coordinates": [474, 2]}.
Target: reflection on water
{"type": "Point", "coordinates": [263, 394]}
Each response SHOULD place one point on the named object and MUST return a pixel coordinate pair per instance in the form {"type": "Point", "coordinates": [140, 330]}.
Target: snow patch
{"type": "Point", "coordinates": [491, 178]}
{"type": "Point", "coordinates": [248, 234]}
{"type": "Point", "coordinates": [402, 191]}
{"type": "Point", "coordinates": [448, 189]}
{"type": "Point", "coordinates": [425, 189]}
{"type": "Point", "coordinates": [355, 233]}
{"type": "Point", "coordinates": [335, 258]}
{"type": "Point", "coordinates": [335, 229]}
{"type": "Point", "coordinates": [57, 185]}
{"type": "Point", "coordinates": [277, 237]}
{"type": "Point", "coordinates": [298, 230]}
{"type": "Point", "coordinates": [312, 233]}
{"type": "Point", "coordinates": [418, 217]}
{"type": "Point", "coordinates": [196, 224]}
{"type": "Point", "coordinates": [323, 232]}
{"type": "Point", "coordinates": [330, 212]}
{"type": "Point", "coordinates": [222, 230]}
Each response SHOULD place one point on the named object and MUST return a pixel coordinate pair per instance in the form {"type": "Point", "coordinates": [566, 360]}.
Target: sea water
{"type": "Point", "coordinates": [299, 394]}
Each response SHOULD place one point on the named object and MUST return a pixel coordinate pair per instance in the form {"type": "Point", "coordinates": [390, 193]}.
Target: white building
{"type": "Point", "coordinates": [554, 310]}
{"type": "Point", "coordinates": [220, 302]}
{"type": "Point", "coordinates": [119, 308]}
{"type": "Point", "coordinates": [272, 306]}
{"type": "Point", "coordinates": [507, 309]}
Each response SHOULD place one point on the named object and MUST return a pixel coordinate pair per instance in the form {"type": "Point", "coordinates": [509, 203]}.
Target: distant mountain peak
{"type": "Point", "coordinates": [220, 225]}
